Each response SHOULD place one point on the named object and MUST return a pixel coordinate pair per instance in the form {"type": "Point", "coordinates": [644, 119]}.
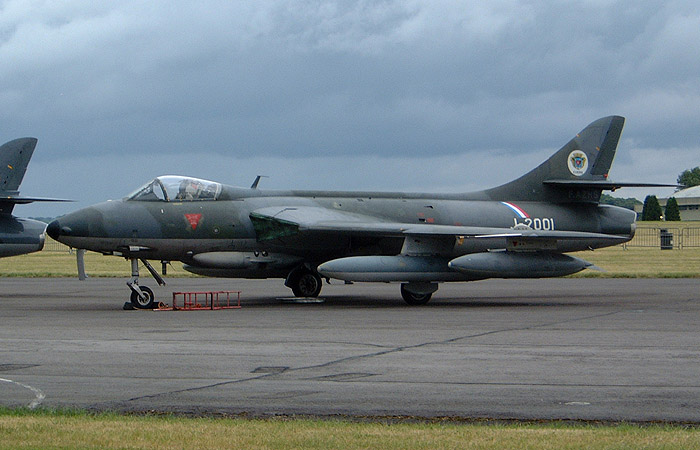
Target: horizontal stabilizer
{"type": "Point", "coordinates": [603, 185]}
{"type": "Point", "coordinates": [8, 202]}
{"type": "Point", "coordinates": [24, 200]}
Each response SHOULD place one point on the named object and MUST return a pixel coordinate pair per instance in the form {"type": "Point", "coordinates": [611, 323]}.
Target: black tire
{"type": "Point", "coordinates": [415, 299]}
{"type": "Point", "coordinates": [145, 303]}
{"type": "Point", "coordinates": [306, 284]}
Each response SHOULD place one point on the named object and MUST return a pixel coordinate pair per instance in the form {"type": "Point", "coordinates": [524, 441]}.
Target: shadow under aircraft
{"type": "Point", "coordinates": [522, 229]}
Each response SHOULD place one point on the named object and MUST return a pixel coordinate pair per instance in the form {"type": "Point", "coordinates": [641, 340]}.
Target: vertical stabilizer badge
{"type": "Point", "coordinates": [578, 163]}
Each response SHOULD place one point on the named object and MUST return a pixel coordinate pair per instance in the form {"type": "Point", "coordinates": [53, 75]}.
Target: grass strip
{"type": "Point", "coordinates": [642, 263]}
{"type": "Point", "coordinates": [23, 429]}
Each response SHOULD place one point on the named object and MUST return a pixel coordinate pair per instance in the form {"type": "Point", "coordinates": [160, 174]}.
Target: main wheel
{"type": "Point", "coordinates": [414, 299]}
{"type": "Point", "coordinates": [306, 284]}
{"type": "Point", "coordinates": [143, 303]}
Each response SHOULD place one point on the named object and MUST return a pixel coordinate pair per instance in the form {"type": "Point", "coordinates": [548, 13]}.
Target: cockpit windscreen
{"type": "Point", "coordinates": [173, 188]}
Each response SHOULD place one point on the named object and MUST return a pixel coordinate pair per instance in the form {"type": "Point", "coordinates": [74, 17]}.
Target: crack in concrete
{"type": "Point", "coordinates": [286, 373]}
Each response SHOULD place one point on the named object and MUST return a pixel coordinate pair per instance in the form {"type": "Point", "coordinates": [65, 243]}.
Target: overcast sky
{"type": "Point", "coordinates": [441, 96]}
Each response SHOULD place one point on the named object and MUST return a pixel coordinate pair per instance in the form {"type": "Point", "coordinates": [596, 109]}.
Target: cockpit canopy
{"type": "Point", "coordinates": [174, 188]}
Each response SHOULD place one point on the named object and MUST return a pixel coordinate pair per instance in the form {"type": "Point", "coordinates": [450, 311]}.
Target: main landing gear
{"type": "Point", "coordinates": [418, 294]}
{"type": "Point", "coordinates": [141, 296]}
{"type": "Point", "coordinates": [304, 282]}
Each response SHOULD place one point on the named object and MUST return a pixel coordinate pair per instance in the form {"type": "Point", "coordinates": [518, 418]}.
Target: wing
{"type": "Point", "coordinates": [277, 222]}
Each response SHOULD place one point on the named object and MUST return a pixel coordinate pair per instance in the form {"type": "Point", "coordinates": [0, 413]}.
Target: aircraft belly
{"type": "Point", "coordinates": [165, 249]}
{"type": "Point", "coordinates": [244, 260]}
{"type": "Point", "coordinates": [258, 274]}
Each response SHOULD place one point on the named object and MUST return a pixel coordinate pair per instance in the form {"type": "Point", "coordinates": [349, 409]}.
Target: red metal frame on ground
{"type": "Point", "coordinates": [212, 300]}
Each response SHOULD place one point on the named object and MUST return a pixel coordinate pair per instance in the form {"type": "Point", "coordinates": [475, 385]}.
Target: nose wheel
{"type": "Point", "coordinates": [143, 301]}
{"type": "Point", "coordinates": [142, 297]}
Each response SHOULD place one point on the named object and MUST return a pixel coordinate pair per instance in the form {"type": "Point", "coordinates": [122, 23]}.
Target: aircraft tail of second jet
{"type": "Point", "coordinates": [14, 159]}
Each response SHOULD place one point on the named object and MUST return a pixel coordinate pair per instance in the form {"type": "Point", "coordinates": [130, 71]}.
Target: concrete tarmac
{"type": "Point", "coordinates": [582, 349]}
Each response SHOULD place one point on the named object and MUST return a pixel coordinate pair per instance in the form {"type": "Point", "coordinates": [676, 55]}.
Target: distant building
{"type": "Point", "coordinates": [688, 203]}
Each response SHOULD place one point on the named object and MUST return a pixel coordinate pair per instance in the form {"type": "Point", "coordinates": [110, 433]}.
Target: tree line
{"type": "Point", "coordinates": [652, 209]}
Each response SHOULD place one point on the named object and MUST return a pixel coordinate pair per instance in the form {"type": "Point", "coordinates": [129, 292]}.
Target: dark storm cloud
{"type": "Point", "coordinates": [387, 79]}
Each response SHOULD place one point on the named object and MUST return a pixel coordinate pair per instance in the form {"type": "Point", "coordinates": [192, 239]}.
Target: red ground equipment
{"type": "Point", "coordinates": [192, 301]}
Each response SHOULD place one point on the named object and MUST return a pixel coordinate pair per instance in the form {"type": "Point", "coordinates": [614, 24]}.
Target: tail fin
{"type": "Point", "coordinates": [578, 172]}
{"type": "Point", "coordinates": [14, 159]}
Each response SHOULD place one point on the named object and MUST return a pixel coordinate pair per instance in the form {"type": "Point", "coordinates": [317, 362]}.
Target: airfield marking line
{"type": "Point", "coordinates": [39, 396]}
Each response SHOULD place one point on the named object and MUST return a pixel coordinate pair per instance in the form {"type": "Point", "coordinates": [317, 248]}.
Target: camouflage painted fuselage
{"type": "Point", "coordinates": [177, 231]}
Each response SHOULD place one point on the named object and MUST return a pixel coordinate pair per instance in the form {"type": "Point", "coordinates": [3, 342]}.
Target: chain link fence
{"type": "Point", "coordinates": [54, 246]}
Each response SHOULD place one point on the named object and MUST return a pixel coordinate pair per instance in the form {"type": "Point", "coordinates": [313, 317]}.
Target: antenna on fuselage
{"type": "Point", "coordinates": [257, 180]}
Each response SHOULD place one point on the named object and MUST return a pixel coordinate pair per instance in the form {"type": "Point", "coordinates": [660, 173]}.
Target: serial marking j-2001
{"type": "Point", "coordinates": [522, 229]}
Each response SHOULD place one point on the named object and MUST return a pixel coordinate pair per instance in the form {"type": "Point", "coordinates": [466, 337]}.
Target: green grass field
{"type": "Point", "coordinates": [642, 263]}
{"type": "Point", "coordinates": [49, 263]}
{"type": "Point", "coordinates": [51, 430]}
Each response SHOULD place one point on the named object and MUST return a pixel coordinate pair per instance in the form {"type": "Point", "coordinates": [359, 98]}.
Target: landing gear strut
{"type": "Point", "coordinates": [304, 282]}
{"type": "Point", "coordinates": [141, 296]}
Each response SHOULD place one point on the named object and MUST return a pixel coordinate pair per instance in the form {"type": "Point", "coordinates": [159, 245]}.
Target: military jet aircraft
{"type": "Point", "coordinates": [17, 236]}
{"type": "Point", "coordinates": [521, 229]}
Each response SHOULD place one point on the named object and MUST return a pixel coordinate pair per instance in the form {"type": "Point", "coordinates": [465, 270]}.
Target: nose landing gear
{"type": "Point", "coordinates": [142, 297]}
